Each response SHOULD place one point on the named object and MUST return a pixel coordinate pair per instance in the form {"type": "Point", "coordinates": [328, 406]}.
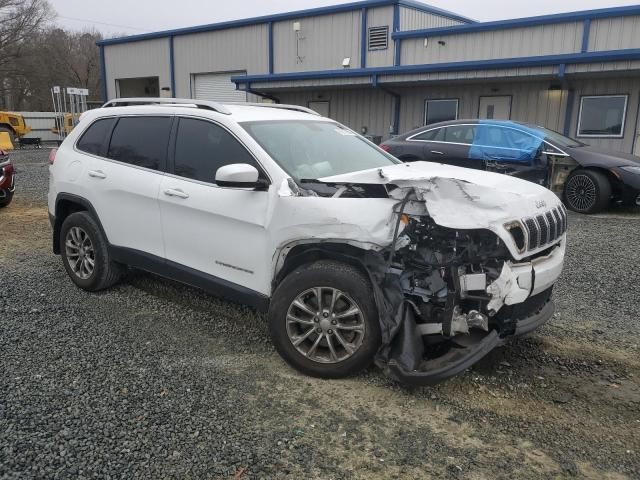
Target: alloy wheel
{"type": "Point", "coordinates": [581, 192]}
{"type": "Point", "coordinates": [80, 253]}
{"type": "Point", "coordinates": [325, 325]}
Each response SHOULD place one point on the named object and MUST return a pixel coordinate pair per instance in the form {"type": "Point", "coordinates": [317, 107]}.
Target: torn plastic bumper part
{"type": "Point", "coordinates": [520, 303]}
{"type": "Point", "coordinates": [471, 349]}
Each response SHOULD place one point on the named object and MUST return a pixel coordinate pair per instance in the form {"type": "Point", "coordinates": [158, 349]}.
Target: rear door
{"type": "Point", "coordinates": [216, 230]}
{"type": "Point", "coordinates": [508, 150]}
{"type": "Point", "coordinates": [123, 187]}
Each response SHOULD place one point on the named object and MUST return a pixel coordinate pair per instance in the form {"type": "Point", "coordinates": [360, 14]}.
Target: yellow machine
{"type": "Point", "coordinates": [14, 125]}
{"type": "Point", "coordinates": [68, 124]}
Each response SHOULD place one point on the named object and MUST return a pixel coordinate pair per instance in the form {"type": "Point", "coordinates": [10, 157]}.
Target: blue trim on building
{"type": "Point", "coordinates": [103, 75]}
{"type": "Point", "coordinates": [347, 7]}
{"type": "Point", "coordinates": [562, 68]}
{"type": "Point", "coordinates": [172, 69]}
{"type": "Point", "coordinates": [270, 41]}
{"type": "Point", "coordinates": [586, 31]}
{"type": "Point", "coordinates": [363, 38]}
{"type": "Point", "coordinates": [521, 22]}
{"type": "Point", "coordinates": [397, 44]}
{"type": "Point", "coordinates": [543, 60]}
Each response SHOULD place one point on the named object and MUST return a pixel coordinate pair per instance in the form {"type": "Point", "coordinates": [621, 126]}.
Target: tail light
{"type": "Point", "coordinates": [386, 148]}
{"type": "Point", "coordinates": [52, 155]}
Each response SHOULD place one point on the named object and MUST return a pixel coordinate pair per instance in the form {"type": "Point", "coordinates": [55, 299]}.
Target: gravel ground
{"type": "Point", "coordinates": [153, 379]}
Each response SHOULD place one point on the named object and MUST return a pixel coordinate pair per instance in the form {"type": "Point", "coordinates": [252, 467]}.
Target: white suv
{"type": "Point", "coordinates": [355, 256]}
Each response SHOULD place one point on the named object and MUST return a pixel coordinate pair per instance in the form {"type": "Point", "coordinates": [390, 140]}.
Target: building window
{"type": "Point", "coordinates": [378, 38]}
{"type": "Point", "coordinates": [602, 116]}
{"type": "Point", "coordinates": [440, 110]}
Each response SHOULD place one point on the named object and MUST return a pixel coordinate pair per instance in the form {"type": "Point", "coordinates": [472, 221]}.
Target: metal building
{"type": "Point", "coordinates": [387, 66]}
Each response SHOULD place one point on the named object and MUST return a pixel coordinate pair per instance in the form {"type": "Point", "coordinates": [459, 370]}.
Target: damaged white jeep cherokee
{"type": "Point", "coordinates": [422, 268]}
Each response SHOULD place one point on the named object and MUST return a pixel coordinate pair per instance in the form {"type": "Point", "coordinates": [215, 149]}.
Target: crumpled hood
{"type": "Point", "coordinates": [459, 197]}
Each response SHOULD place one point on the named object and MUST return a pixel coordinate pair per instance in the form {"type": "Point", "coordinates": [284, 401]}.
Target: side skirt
{"type": "Point", "coordinates": [189, 276]}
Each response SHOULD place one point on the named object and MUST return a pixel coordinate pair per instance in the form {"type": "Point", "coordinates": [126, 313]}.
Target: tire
{"type": "Point", "coordinates": [12, 135]}
{"type": "Point", "coordinates": [587, 191]}
{"type": "Point", "coordinates": [359, 332]}
{"type": "Point", "coordinates": [105, 273]}
{"type": "Point", "coordinates": [6, 200]}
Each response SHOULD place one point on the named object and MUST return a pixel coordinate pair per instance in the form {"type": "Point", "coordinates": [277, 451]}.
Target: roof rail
{"type": "Point", "coordinates": [281, 106]}
{"type": "Point", "coordinates": [204, 104]}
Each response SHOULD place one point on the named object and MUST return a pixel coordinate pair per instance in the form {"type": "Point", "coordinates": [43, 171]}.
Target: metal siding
{"type": "Point", "coordinates": [615, 33]}
{"type": "Point", "coordinates": [149, 58]}
{"type": "Point", "coordinates": [531, 102]}
{"type": "Point", "coordinates": [622, 67]}
{"type": "Point", "coordinates": [319, 82]}
{"type": "Point", "coordinates": [41, 124]}
{"type": "Point", "coordinates": [355, 108]}
{"type": "Point", "coordinates": [244, 48]}
{"type": "Point", "coordinates": [508, 43]}
{"type": "Point", "coordinates": [412, 19]}
{"type": "Point", "coordinates": [609, 86]}
{"type": "Point", "coordinates": [545, 72]}
{"type": "Point", "coordinates": [379, 17]}
{"type": "Point", "coordinates": [327, 41]}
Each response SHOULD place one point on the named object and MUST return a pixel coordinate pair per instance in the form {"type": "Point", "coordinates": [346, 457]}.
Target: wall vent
{"type": "Point", "coordinates": [378, 38]}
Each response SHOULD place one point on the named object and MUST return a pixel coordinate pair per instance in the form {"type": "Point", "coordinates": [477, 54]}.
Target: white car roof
{"type": "Point", "coordinates": [235, 112]}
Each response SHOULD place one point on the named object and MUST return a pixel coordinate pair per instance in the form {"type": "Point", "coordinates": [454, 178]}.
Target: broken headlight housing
{"type": "Point", "coordinates": [517, 233]}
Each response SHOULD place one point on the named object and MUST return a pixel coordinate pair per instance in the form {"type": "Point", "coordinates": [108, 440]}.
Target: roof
{"type": "Point", "coordinates": [347, 7]}
{"type": "Point", "coordinates": [236, 112]}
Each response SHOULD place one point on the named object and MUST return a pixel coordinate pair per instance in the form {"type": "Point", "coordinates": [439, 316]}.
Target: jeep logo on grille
{"type": "Point", "coordinates": [541, 204]}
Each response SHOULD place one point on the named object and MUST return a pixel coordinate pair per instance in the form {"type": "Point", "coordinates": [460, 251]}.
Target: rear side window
{"type": "Point", "coordinates": [203, 147]}
{"type": "Point", "coordinates": [141, 141]}
{"type": "Point", "coordinates": [94, 139]}
{"type": "Point", "coordinates": [436, 135]}
{"type": "Point", "coordinates": [460, 134]}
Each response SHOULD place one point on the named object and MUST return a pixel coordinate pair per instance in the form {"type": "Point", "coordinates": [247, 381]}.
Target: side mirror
{"type": "Point", "coordinates": [239, 175]}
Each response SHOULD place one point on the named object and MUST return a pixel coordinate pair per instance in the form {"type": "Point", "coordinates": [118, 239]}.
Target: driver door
{"type": "Point", "coordinates": [210, 229]}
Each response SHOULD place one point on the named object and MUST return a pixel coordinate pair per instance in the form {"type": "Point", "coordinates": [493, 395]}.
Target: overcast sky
{"type": "Point", "coordinates": [138, 16]}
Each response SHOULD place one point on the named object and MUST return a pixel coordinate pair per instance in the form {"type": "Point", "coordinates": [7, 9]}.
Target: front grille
{"type": "Point", "coordinates": [546, 228]}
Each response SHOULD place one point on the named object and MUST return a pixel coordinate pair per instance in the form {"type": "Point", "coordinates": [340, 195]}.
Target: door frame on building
{"type": "Point", "coordinates": [327, 102]}
{"type": "Point", "coordinates": [118, 89]}
{"type": "Point", "coordinates": [510, 97]}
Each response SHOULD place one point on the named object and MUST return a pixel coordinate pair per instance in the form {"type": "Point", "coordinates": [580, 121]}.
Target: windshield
{"type": "Point", "coordinates": [559, 140]}
{"type": "Point", "coordinates": [316, 149]}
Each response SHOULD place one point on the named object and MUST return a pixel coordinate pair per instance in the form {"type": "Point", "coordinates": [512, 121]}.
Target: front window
{"type": "Point", "coordinates": [602, 116]}
{"type": "Point", "coordinates": [316, 149]}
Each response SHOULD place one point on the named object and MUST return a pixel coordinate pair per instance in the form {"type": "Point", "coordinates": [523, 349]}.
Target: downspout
{"type": "Point", "coordinates": [248, 89]}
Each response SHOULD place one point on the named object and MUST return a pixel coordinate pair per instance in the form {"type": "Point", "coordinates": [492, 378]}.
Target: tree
{"type": "Point", "coordinates": [20, 20]}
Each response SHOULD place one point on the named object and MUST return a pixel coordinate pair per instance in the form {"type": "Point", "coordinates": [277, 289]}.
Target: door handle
{"type": "Point", "coordinates": [437, 152]}
{"type": "Point", "coordinates": [97, 174]}
{"type": "Point", "coordinates": [176, 192]}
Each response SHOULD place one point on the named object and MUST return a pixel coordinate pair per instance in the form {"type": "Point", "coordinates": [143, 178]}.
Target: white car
{"type": "Point", "coordinates": [355, 256]}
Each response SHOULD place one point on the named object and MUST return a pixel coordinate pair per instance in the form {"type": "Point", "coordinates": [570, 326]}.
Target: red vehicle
{"type": "Point", "coordinates": [7, 179]}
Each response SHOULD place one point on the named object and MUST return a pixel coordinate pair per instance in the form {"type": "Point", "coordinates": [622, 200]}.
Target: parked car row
{"type": "Point", "coordinates": [586, 178]}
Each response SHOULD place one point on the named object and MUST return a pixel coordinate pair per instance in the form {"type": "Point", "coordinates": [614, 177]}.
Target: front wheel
{"type": "Point", "coordinates": [6, 200]}
{"type": "Point", "coordinates": [323, 320]}
{"type": "Point", "coordinates": [587, 191]}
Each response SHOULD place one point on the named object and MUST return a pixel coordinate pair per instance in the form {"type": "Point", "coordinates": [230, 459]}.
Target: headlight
{"type": "Point", "coordinates": [632, 169]}
{"type": "Point", "coordinates": [517, 232]}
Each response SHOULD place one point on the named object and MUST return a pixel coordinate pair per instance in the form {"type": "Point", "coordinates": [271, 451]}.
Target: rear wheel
{"type": "Point", "coordinates": [12, 135]}
{"type": "Point", "coordinates": [85, 254]}
{"type": "Point", "coordinates": [587, 191]}
{"type": "Point", "coordinates": [323, 320]}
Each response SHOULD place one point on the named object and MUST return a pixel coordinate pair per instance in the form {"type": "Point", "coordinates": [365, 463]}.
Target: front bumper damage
{"type": "Point", "coordinates": [478, 311]}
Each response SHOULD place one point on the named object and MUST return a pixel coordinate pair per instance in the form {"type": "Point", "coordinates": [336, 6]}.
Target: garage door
{"type": "Point", "coordinates": [217, 87]}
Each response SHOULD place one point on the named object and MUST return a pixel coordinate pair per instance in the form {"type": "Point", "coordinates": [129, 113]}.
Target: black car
{"type": "Point", "coordinates": [588, 179]}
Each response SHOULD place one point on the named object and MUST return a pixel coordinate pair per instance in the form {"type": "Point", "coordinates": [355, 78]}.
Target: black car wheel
{"type": "Point", "coordinates": [587, 191]}
{"type": "Point", "coordinates": [323, 320]}
{"type": "Point", "coordinates": [6, 200]}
